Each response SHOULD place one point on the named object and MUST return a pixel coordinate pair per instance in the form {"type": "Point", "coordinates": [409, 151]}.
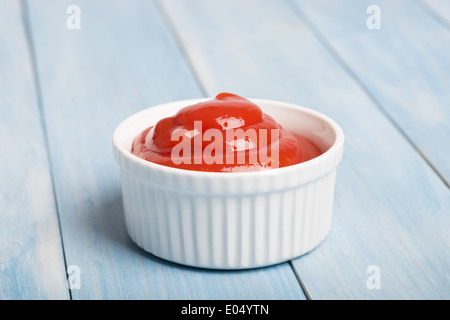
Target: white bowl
{"type": "Point", "coordinates": [230, 220]}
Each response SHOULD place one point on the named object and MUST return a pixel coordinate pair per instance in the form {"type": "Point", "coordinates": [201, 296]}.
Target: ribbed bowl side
{"type": "Point", "coordinates": [227, 231]}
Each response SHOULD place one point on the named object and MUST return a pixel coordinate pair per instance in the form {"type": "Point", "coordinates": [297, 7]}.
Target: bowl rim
{"type": "Point", "coordinates": [336, 147]}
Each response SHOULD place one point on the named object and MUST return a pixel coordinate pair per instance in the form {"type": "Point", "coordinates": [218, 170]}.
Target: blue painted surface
{"type": "Point", "coordinates": [387, 88]}
{"type": "Point", "coordinates": [31, 258]}
{"type": "Point", "coordinates": [403, 67]}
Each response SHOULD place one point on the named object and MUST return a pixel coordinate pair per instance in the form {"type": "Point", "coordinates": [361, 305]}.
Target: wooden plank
{"type": "Point", "coordinates": [31, 258]}
{"type": "Point", "coordinates": [404, 65]}
{"type": "Point", "coordinates": [391, 208]}
{"type": "Point", "coordinates": [123, 59]}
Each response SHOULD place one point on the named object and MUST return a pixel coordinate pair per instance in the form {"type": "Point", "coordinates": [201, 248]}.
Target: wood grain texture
{"type": "Point", "coordinates": [391, 208]}
{"type": "Point", "coordinates": [404, 65]}
{"type": "Point", "coordinates": [123, 59]}
{"type": "Point", "coordinates": [31, 259]}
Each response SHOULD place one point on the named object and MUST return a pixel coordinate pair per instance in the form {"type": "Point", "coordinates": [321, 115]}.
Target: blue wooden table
{"type": "Point", "coordinates": [71, 71]}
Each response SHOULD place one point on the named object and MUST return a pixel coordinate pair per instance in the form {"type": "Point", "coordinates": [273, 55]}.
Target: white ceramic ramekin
{"type": "Point", "coordinates": [230, 220]}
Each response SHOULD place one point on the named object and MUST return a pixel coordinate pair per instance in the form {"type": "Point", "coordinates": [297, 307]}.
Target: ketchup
{"type": "Point", "coordinates": [225, 134]}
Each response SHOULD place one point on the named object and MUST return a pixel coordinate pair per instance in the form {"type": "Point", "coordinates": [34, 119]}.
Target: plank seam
{"type": "Point", "coordinates": [179, 44]}
{"type": "Point", "coordinates": [37, 87]}
{"type": "Point", "coordinates": [300, 281]}
{"type": "Point", "coordinates": [433, 13]}
{"type": "Point", "coordinates": [329, 47]}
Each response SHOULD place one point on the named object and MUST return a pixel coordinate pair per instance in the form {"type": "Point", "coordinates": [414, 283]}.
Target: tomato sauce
{"type": "Point", "coordinates": [226, 134]}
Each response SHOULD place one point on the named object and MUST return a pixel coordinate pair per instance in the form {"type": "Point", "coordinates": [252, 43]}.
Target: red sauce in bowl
{"type": "Point", "coordinates": [225, 134]}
